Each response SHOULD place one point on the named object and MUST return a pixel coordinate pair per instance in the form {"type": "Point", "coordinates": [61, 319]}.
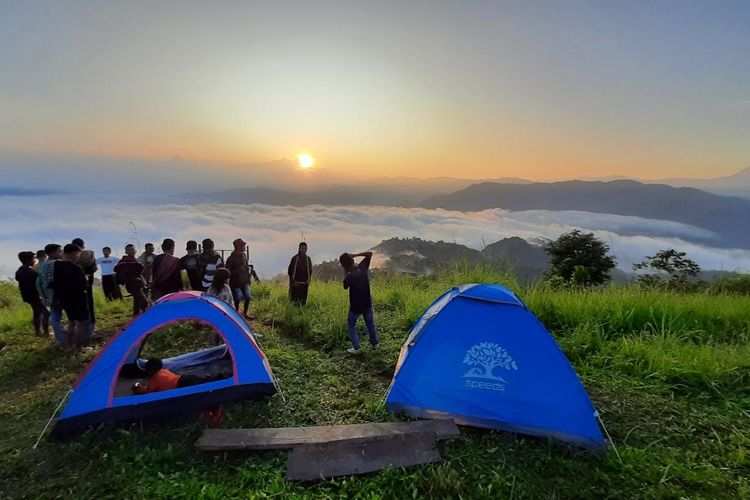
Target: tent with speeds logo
{"type": "Point", "coordinates": [478, 356]}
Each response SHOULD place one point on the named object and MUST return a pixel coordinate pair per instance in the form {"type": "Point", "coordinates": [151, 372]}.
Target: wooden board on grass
{"type": "Point", "coordinates": [312, 462]}
{"type": "Point", "coordinates": [290, 437]}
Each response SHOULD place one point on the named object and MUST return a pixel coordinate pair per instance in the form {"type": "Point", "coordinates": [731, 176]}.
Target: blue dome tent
{"type": "Point", "coordinates": [238, 369]}
{"type": "Point", "coordinates": [478, 356]}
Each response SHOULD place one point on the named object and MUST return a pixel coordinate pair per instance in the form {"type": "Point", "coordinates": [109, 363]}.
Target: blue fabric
{"type": "Point", "coordinates": [241, 293]}
{"type": "Point", "coordinates": [369, 317]}
{"type": "Point", "coordinates": [479, 356]}
{"type": "Point", "coordinates": [94, 390]}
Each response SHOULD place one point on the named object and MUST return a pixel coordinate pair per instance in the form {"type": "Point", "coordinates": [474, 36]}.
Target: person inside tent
{"type": "Point", "coordinates": [191, 263]}
{"type": "Point", "coordinates": [70, 285]}
{"type": "Point", "coordinates": [210, 262]}
{"type": "Point", "coordinates": [166, 271]}
{"type": "Point", "coordinates": [300, 274]}
{"type": "Point", "coordinates": [107, 264]}
{"type": "Point", "coordinates": [41, 256]}
{"type": "Point", "coordinates": [26, 278]}
{"type": "Point", "coordinates": [130, 273]}
{"type": "Point", "coordinates": [44, 284]}
{"type": "Point", "coordinates": [357, 281]}
{"type": "Point", "coordinates": [162, 379]}
{"type": "Point", "coordinates": [242, 272]}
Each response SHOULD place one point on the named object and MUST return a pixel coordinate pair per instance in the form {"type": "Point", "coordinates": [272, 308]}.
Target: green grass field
{"type": "Point", "coordinates": [669, 373]}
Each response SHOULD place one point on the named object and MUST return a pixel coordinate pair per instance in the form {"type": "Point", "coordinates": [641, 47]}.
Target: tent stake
{"type": "Point", "coordinates": [59, 405]}
{"type": "Point", "coordinates": [609, 438]}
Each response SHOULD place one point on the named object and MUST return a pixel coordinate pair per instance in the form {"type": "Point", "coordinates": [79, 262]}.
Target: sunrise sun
{"type": "Point", "coordinates": [306, 161]}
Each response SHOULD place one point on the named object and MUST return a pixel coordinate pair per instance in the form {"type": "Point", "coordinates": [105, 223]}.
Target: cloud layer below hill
{"type": "Point", "coordinates": [27, 223]}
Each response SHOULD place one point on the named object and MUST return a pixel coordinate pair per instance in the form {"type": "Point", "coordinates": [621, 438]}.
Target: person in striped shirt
{"type": "Point", "coordinates": [210, 262]}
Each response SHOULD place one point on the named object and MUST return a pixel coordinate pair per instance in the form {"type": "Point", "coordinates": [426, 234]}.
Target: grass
{"type": "Point", "coordinates": [669, 373]}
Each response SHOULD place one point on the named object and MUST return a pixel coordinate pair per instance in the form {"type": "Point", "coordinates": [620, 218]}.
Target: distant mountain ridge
{"type": "Point", "coordinates": [726, 216]}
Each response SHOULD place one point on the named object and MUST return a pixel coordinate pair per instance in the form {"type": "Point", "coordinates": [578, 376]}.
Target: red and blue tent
{"type": "Point", "coordinates": [238, 369]}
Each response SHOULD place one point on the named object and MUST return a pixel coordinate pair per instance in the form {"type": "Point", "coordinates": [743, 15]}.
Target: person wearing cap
{"type": "Point", "coordinates": [167, 273]}
{"type": "Point", "coordinates": [242, 274]}
{"type": "Point", "coordinates": [300, 274]}
{"type": "Point", "coordinates": [210, 262]}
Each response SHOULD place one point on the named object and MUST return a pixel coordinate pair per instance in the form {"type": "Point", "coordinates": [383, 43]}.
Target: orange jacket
{"type": "Point", "coordinates": [159, 381]}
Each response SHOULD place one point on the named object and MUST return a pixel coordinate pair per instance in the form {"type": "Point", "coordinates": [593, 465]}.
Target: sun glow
{"type": "Point", "coordinates": [306, 161]}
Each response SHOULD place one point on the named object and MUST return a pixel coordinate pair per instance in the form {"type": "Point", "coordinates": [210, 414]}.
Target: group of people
{"type": "Point", "coordinates": [59, 279]}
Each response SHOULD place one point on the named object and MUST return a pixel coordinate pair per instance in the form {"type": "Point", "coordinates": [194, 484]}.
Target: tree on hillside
{"type": "Point", "coordinates": [672, 270]}
{"type": "Point", "coordinates": [579, 258]}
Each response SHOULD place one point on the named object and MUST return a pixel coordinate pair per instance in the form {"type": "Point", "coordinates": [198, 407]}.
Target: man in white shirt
{"type": "Point", "coordinates": [109, 280]}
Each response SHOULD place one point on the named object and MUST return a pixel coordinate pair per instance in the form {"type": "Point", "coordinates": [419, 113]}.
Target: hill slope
{"type": "Point", "coordinates": [726, 216]}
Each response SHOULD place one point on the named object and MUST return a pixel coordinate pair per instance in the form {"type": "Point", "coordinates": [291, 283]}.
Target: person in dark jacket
{"type": "Point", "coordinates": [87, 261]}
{"type": "Point", "coordinates": [242, 273]}
{"type": "Point", "coordinates": [300, 275]}
{"type": "Point", "coordinates": [357, 281]}
{"type": "Point", "coordinates": [210, 261]}
{"type": "Point", "coordinates": [167, 272]}
{"type": "Point", "coordinates": [70, 293]}
{"type": "Point", "coordinates": [191, 263]}
{"type": "Point", "coordinates": [26, 278]}
{"type": "Point", "coordinates": [130, 273]}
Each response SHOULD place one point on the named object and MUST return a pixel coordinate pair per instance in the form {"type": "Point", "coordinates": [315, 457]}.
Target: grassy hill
{"type": "Point", "coordinates": [669, 373]}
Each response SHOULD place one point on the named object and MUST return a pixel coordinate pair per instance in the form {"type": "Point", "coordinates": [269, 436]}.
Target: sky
{"type": "Point", "coordinates": [470, 89]}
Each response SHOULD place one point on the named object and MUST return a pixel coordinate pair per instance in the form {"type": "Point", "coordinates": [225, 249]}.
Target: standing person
{"type": "Point", "coordinates": [44, 283]}
{"type": "Point", "coordinates": [87, 261]}
{"type": "Point", "coordinates": [107, 264]}
{"type": "Point", "coordinates": [191, 262]}
{"type": "Point", "coordinates": [130, 273]}
{"type": "Point", "coordinates": [300, 274]}
{"type": "Point", "coordinates": [220, 286]}
{"type": "Point", "coordinates": [26, 278]}
{"type": "Point", "coordinates": [147, 261]}
{"type": "Point", "coordinates": [166, 271]}
{"type": "Point", "coordinates": [41, 256]}
{"type": "Point", "coordinates": [210, 262]}
{"type": "Point", "coordinates": [70, 285]}
{"type": "Point", "coordinates": [357, 280]}
{"type": "Point", "coordinates": [242, 274]}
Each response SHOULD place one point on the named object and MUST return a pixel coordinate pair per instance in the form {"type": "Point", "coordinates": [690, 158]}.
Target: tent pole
{"type": "Point", "coordinates": [59, 405]}
{"type": "Point", "coordinates": [609, 438]}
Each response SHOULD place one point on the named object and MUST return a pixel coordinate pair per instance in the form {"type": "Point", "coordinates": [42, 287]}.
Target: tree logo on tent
{"type": "Point", "coordinates": [486, 358]}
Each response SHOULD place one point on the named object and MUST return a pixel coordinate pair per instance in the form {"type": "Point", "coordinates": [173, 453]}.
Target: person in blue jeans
{"type": "Point", "coordinates": [357, 281]}
{"type": "Point", "coordinates": [43, 282]}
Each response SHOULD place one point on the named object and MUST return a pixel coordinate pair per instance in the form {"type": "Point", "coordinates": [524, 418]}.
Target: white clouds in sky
{"type": "Point", "coordinates": [28, 223]}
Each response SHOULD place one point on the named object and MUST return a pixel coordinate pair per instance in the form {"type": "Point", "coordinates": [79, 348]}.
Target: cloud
{"type": "Point", "coordinates": [28, 223]}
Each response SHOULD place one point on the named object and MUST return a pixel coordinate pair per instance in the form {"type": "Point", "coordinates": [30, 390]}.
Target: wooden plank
{"type": "Point", "coordinates": [312, 462]}
{"type": "Point", "coordinates": [289, 437]}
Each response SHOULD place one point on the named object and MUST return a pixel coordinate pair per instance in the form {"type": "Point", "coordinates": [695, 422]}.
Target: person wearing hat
{"type": "Point", "coordinates": [242, 274]}
{"type": "Point", "coordinates": [300, 274]}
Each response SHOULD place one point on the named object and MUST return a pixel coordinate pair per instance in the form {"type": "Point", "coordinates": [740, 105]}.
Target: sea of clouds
{"type": "Point", "coordinates": [28, 223]}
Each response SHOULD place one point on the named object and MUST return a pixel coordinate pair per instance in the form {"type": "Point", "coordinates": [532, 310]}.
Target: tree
{"type": "Point", "coordinates": [673, 270]}
{"type": "Point", "coordinates": [489, 356]}
{"type": "Point", "coordinates": [580, 258]}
